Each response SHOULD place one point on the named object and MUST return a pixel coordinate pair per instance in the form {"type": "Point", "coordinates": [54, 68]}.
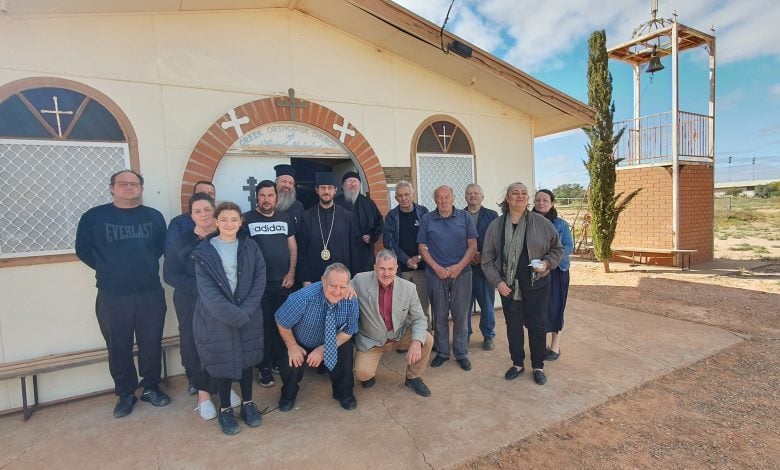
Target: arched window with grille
{"type": "Point", "coordinates": [444, 155]}
{"type": "Point", "coordinates": [59, 143]}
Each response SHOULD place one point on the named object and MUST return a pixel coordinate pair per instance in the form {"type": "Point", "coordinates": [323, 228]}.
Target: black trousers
{"type": "Point", "coordinates": [223, 388]}
{"type": "Point", "coordinates": [531, 313]}
{"type": "Point", "coordinates": [273, 298]}
{"type": "Point", "coordinates": [185, 310]}
{"type": "Point", "coordinates": [121, 318]}
{"type": "Point", "coordinates": [341, 378]}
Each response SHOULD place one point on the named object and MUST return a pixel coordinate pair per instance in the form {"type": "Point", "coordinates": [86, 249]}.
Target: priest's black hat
{"type": "Point", "coordinates": [284, 169]}
{"type": "Point", "coordinates": [350, 174]}
{"type": "Point", "coordinates": [324, 178]}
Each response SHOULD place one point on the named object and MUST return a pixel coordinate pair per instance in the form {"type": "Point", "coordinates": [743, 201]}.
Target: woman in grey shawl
{"type": "Point", "coordinates": [521, 248]}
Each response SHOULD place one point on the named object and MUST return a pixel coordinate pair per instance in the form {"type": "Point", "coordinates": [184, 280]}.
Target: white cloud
{"type": "Point", "coordinates": [775, 89]}
{"type": "Point", "coordinates": [534, 33]}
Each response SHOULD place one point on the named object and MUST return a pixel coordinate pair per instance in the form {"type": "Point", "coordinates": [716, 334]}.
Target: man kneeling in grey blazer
{"type": "Point", "coordinates": [391, 318]}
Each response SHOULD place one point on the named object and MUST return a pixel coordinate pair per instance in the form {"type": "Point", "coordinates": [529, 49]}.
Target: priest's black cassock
{"type": "Point", "coordinates": [295, 211]}
{"type": "Point", "coordinates": [315, 226]}
{"type": "Point", "coordinates": [369, 222]}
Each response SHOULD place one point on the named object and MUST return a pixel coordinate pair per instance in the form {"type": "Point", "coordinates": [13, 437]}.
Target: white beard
{"type": "Point", "coordinates": [351, 196]}
{"type": "Point", "coordinates": [285, 199]}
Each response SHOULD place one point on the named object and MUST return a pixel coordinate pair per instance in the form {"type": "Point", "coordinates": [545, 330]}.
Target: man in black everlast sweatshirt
{"type": "Point", "coordinates": [123, 241]}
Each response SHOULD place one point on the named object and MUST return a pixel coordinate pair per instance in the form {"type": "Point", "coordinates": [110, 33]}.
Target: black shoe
{"type": "Point", "coordinates": [464, 363]}
{"type": "Point", "coordinates": [286, 405]}
{"type": "Point", "coordinates": [251, 415]}
{"type": "Point", "coordinates": [418, 386]}
{"type": "Point", "coordinates": [368, 383]}
{"type": "Point", "coordinates": [191, 389]}
{"type": "Point", "coordinates": [228, 423]}
{"type": "Point", "coordinates": [275, 369]}
{"type": "Point", "coordinates": [155, 396]}
{"type": "Point", "coordinates": [349, 403]}
{"type": "Point", "coordinates": [438, 361]}
{"type": "Point", "coordinates": [124, 406]}
{"type": "Point", "coordinates": [552, 355]}
{"type": "Point", "coordinates": [514, 372]}
{"type": "Point", "coordinates": [487, 345]}
{"type": "Point", "coordinates": [266, 378]}
{"type": "Point", "coordinates": [539, 377]}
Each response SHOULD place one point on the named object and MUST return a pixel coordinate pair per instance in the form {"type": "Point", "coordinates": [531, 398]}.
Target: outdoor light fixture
{"type": "Point", "coordinates": [655, 64]}
{"type": "Point", "coordinates": [462, 49]}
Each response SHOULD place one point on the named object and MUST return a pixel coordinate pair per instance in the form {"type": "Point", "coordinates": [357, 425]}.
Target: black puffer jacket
{"type": "Point", "coordinates": [228, 326]}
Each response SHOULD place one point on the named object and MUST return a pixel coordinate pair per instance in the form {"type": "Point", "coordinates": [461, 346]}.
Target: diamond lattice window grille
{"type": "Point", "coordinates": [434, 170]}
{"type": "Point", "coordinates": [46, 186]}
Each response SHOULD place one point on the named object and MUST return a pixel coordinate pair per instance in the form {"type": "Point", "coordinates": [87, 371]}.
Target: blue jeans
{"type": "Point", "coordinates": [484, 294]}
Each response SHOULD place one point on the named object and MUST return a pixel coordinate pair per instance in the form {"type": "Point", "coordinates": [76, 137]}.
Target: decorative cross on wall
{"type": "Point", "coordinates": [251, 184]}
{"type": "Point", "coordinates": [343, 130]}
{"type": "Point", "coordinates": [235, 123]}
{"type": "Point", "coordinates": [56, 112]}
{"type": "Point", "coordinates": [444, 136]}
{"type": "Point", "coordinates": [290, 103]}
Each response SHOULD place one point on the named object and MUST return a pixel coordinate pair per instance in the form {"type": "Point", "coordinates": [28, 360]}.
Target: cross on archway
{"type": "Point", "coordinates": [290, 103]}
{"type": "Point", "coordinates": [56, 112]}
{"type": "Point", "coordinates": [235, 122]}
{"type": "Point", "coordinates": [343, 130]}
{"type": "Point", "coordinates": [251, 184]}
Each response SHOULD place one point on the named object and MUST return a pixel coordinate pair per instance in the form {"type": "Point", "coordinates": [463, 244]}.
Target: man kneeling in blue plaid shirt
{"type": "Point", "coordinates": [316, 324]}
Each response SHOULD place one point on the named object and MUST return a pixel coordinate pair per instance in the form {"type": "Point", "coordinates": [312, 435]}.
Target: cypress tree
{"type": "Point", "coordinates": [604, 205]}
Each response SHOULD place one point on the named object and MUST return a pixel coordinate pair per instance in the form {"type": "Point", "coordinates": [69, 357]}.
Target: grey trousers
{"type": "Point", "coordinates": [418, 278]}
{"type": "Point", "coordinates": [450, 297]}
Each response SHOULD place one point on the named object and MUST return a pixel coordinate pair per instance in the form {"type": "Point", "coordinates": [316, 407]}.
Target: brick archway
{"type": "Point", "coordinates": [215, 142]}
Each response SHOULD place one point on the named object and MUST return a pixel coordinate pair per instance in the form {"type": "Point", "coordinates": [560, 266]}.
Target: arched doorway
{"type": "Point", "coordinates": [258, 127]}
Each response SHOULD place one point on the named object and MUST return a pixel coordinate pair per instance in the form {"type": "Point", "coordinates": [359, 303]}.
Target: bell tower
{"type": "Point", "coordinates": [670, 154]}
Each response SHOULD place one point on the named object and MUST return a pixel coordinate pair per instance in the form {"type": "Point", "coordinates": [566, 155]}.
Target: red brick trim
{"type": "Point", "coordinates": [211, 147]}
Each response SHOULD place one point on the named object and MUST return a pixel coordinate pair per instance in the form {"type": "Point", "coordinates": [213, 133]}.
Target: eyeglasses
{"type": "Point", "coordinates": [127, 184]}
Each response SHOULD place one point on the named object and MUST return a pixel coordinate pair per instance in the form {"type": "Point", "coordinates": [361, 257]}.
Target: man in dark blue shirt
{"type": "Point", "coordinates": [123, 241]}
{"type": "Point", "coordinates": [317, 324]}
{"type": "Point", "coordinates": [448, 241]}
{"type": "Point", "coordinates": [482, 292]}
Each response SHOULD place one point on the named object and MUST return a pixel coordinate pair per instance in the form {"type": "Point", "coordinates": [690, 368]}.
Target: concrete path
{"type": "Point", "coordinates": [605, 351]}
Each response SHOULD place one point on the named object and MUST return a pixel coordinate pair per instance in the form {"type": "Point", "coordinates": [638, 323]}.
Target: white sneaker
{"type": "Point", "coordinates": [235, 400]}
{"type": "Point", "coordinates": [207, 410]}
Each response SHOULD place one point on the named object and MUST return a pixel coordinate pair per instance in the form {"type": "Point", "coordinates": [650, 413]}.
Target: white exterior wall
{"type": "Point", "coordinates": [175, 74]}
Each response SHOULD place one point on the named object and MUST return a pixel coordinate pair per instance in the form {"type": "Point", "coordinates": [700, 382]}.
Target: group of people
{"type": "Point", "coordinates": [280, 288]}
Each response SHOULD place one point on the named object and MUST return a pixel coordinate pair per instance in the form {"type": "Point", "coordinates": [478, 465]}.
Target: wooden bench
{"type": "Point", "coordinates": [54, 362]}
{"type": "Point", "coordinates": [680, 256]}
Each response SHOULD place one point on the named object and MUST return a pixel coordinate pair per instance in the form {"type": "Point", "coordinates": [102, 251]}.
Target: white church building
{"type": "Point", "coordinates": [223, 90]}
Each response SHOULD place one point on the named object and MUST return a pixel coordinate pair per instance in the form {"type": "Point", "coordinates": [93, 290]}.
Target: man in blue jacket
{"type": "Point", "coordinates": [482, 292]}
{"type": "Point", "coordinates": [400, 235]}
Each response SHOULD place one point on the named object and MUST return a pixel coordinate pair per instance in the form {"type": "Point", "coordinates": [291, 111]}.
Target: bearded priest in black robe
{"type": "Point", "coordinates": [368, 220]}
{"type": "Point", "coordinates": [328, 233]}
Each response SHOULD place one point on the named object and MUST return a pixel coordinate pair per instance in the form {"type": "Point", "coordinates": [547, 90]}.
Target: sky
{"type": "Point", "coordinates": [549, 40]}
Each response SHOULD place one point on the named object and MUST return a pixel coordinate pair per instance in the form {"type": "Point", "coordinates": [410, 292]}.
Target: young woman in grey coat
{"type": "Point", "coordinates": [228, 322]}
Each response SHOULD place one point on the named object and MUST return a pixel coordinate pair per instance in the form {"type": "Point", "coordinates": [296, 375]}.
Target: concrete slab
{"type": "Point", "coordinates": [606, 351]}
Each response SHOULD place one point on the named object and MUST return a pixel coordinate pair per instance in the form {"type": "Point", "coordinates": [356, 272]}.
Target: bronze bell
{"type": "Point", "coordinates": [654, 65]}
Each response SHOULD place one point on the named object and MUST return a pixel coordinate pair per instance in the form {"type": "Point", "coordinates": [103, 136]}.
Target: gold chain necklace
{"type": "Point", "coordinates": [325, 253]}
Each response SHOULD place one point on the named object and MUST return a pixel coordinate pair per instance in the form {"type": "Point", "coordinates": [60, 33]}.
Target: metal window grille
{"type": "Point", "coordinates": [434, 170]}
{"type": "Point", "coordinates": [46, 186]}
